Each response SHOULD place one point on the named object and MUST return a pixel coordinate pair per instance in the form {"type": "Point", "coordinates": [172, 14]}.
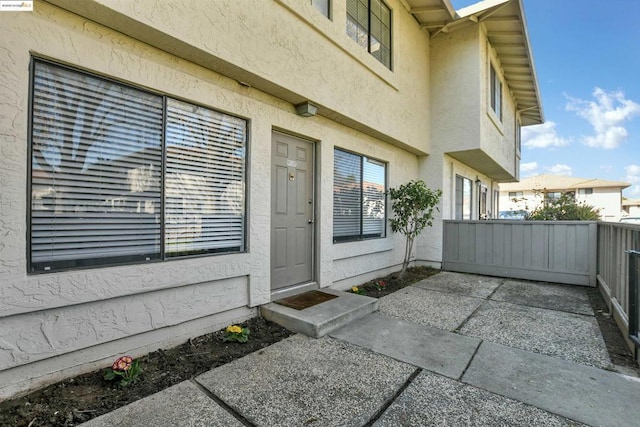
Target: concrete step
{"type": "Point", "coordinates": [320, 319]}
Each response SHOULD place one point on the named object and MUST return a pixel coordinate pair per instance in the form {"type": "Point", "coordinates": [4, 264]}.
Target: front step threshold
{"type": "Point", "coordinates": [320, 319]}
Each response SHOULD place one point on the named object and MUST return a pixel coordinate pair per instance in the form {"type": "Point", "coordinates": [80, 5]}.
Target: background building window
{"type": "Point", "coordinates": [98, 192]}
{"type": "Point", "coordinates": [513, 194]}
{"type": "Point", "coordinates": [496, 92]}
{"type": "Point", "coordinates": [585, 191]}
{"type": "Point", "coordinates": [369, 24]}
{"type": "Point", "coordinates": [359, 203]}
{"type": "Point", "coordinates": [463, 198]}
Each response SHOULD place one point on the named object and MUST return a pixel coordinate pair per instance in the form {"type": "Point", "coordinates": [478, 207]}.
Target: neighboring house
{"type": "Point", "coordinates": [631, 208]}
{"type": "Point", "coordinates": [168, 167]}
{"type": "Point", "coordinates": [530, 193]}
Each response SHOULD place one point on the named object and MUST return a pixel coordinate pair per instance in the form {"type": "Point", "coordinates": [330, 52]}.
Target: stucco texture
{"type": "Point", "coordinates": [57, 324]}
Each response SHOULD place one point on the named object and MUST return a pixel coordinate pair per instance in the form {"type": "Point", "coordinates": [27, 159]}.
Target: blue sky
{"type": "Point", "coordinates": [587, 58]}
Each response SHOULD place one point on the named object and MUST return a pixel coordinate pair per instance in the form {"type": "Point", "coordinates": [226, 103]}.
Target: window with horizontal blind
{"type": "Point", "coordinates": [369, 24]}
{"type": "Point", "coordinates": [122, 175]}
{"type": "Point", "coordinates": [359, 204]}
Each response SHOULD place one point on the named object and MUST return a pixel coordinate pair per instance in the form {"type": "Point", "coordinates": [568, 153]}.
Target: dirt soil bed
{"type": "Point", "coordinates": [76, 400]}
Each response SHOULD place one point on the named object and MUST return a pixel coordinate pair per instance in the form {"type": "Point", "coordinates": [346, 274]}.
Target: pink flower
{"type": "Point", "coordinates": [122, 363]}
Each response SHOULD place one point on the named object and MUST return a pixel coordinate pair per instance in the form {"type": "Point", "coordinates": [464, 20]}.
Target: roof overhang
{"type": "Point", "coordinates": [506, 28]}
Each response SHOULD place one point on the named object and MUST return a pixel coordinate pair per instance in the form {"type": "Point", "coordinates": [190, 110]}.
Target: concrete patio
{"type": "Point", "coordinates": [454, 349]}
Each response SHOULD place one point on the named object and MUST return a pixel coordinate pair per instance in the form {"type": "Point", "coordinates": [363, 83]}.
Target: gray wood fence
{"type": "Point", "coordinates": [614, 240]}
{"type": "Point", "coordinates": [558, 251]}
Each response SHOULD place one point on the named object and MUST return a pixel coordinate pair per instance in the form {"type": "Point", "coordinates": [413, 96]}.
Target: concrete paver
{"type": "Point", "coordinates": [555, 333]}
{"type": "Point", "coordinates": [433, 400]}
{"type": "Point", "coordinates": [301, 380]}
{"type": "Point", "coordinates": [439, 351]}
{"type": "Point", "coordinates": [583, 393]}
{"type": "Point", "coordinates": [572, 299]}
{"type": "Point", "coordinates": [459, 283]}
{"type": "Point", "coordinates": [429, 308]}
{"type": "Point", "coordinates": [468, 378]}
{"type": "Point", "coordinates": [184, 404]}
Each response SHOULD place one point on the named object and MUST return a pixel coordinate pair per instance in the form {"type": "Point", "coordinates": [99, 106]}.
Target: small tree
{"type": "Point", "coordinates": [413, 204]}
{"type": "Point", "coordinates": [565, 209]}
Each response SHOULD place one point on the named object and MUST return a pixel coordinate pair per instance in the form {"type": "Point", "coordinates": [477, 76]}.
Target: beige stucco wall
{"type": "Point", "coordinates": [456, 90]}
{"type": "Point", "coordinates": [287, 48]}
{"type": "Point", "coordinates": [59, 324]}
{"type": "Point", "coordinates": [463, 123]}
{"type": "Point", "coordinates": [497, 136]}
{"type": "Point", "coordinates": [467, 138]}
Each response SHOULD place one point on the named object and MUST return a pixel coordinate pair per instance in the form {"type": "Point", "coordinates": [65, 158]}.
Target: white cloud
{"type": "Point", "coordinates": [633, 176]}
{"type": "Point", "coordinates": [606, 114]}
{"type": "Point", "coordinates": [542, 136]}
{"type": "Point", "coordinates": [528, 169]}
{"type": "Point", "coordinates": [560, 169]}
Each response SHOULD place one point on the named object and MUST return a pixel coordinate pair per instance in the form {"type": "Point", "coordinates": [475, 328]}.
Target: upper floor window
{"type": "Point", "coordinates": [122, 175]}
{"type": "Point", "coordinates": [496, 92]}
{"type": "Point", "coordinates": [359, 202]}
{"type": "Point", "coordinates": [324, 6]}
{"type": "Point", "coordinates": [369, 24]}
{"type": "Point", "coordinates": [513, 194]}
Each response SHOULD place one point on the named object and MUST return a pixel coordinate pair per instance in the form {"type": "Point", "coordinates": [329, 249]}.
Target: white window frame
{"type": "Point", "coordinates": [463, 198]}
{"type": "Point", "coordinates": [121, 175]}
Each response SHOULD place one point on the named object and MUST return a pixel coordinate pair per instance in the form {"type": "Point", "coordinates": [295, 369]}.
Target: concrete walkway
{"type": "Point", "coordinates": [454, 349]}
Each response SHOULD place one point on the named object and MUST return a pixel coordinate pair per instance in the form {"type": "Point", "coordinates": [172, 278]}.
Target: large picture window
{"type": "Point", "coordinates": [121, 175]}
{"type": "Point", "coordinates": [369, 24]}
{"type": "Point", "coordinates": [358, 197]}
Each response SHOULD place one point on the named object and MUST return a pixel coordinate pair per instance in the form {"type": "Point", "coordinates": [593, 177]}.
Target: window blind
{"type": "Point", "coordinates": [373, 208]}
{"type": "Point", "coordinates": [358, 197]}
{"type": "Point", "coordinates": [96, 165]}
{"type": "Point", "coordinates": [204, 191]}
{"type": "Point", "coordinates": [108, 158]}
{"type": "Point", "coordinates": [347, 195]}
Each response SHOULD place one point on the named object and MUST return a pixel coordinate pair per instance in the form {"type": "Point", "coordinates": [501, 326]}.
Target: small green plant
{"type": "Point", "coordinates": [125, 369]}
{"type": "Point", "coordinates": [235, 333]}
{"type": "Point", "coordinates": [357, 290]}
{"type": "Point", "coordinates": [380, 285]}
{"type": "Point", "coordinates": [413, 206]}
